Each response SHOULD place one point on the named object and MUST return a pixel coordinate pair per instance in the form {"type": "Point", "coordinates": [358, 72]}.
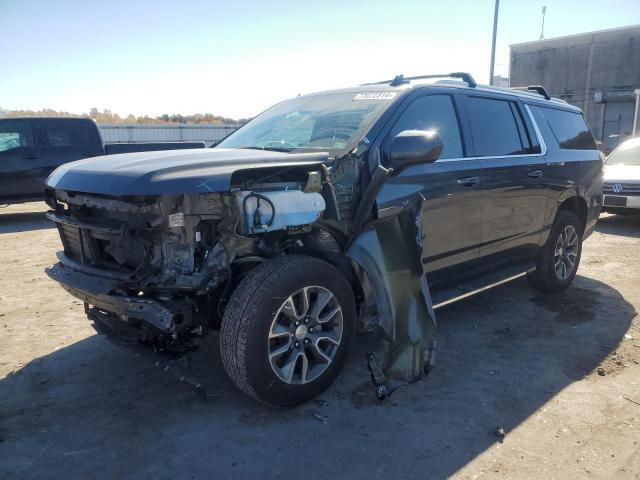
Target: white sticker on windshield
{"type": "Point", "coordinates": [375, 96]}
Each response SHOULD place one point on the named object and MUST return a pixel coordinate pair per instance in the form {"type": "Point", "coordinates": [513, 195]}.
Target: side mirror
{"type": "Point", "coordinates": [414, 146]}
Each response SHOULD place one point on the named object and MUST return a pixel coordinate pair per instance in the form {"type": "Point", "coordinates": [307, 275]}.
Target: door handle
{"type": "Point", "coordinates": [30, 157]}
{"type": "Point", "coordinates": [468, 181]}
{"type": "Point", "coordinates": [534, 173]}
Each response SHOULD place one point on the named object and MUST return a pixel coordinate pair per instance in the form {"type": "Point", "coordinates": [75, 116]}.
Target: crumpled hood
{"type": "Point", "coordinates": [198, 170]}
{"type": "Point", "coordinates": [622, 173]}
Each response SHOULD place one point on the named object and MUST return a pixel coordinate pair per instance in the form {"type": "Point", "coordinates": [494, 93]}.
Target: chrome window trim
{"type": "Point", "coordinates": [543, 145]}
{"type": "Point", "coordinates": [444, 160]}
{"type": "Point", "coordinates": [536, 130]}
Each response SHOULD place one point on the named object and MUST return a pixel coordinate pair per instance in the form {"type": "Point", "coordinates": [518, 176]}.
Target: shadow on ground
{"type": "Point", "coordinates": [13, 222]}
{"type": "Point", "coordinates": [625, 225]}
{"type": "Point", "coordinates": [99, 409]}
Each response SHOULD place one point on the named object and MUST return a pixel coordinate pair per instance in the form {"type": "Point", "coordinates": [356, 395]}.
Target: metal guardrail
{"type": "Point", "coordinates": [209, 134]}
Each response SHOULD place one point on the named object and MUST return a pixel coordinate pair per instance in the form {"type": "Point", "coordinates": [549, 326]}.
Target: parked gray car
{"type": "Point", "coordinates": [32, 148]}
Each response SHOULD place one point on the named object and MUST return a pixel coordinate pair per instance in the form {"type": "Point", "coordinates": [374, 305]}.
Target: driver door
{"type": "Point", "coordinates": [452, 206]}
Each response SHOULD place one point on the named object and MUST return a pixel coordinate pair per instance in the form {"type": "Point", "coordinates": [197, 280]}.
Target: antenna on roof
{"type": "Point", "coordinates": [544, 13]}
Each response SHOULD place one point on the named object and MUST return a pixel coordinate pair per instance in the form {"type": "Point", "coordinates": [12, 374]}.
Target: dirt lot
{"type": "Point", "coordinates": [560, 374]}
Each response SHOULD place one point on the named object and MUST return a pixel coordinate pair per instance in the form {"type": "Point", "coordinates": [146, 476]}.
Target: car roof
{"type": "Point", "coordinates": [13, 119]}
{"type": "Point", "coordinates": [404, 89]}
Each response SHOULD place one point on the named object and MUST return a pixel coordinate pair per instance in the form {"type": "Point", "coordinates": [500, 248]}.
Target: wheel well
{"type": "Point", "coordinates": [578, 206]}
{"type": "Point", "coordinates": [322, 244]}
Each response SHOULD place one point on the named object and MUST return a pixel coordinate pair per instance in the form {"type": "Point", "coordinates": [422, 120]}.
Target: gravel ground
{"type": "Point", "coordinates": [559, 374]}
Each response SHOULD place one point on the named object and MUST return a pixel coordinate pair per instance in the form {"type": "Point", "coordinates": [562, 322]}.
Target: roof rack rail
{"type": "Point", "coordinates": [540, 89]}
{"type": "Point", "coordinates": [401, 79]}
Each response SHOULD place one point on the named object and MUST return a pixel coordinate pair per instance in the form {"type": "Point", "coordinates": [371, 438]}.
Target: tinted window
{"type": "Point", "coordinates": [433, 112]}
{"type": "Point", "coordinates": [532, 136]}
{"type": "Point", "coordinates": [52, 133]}
{"type": "Point", "coordinates": [493, 127]}
{"type": "Point", "coordinates": [570, 129]}
{"type": "Point", "coordinates": [15, 134]}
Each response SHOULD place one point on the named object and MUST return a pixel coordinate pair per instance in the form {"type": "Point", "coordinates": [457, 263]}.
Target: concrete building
{"type": "Point", "coordinates": [597, 71]}
{"type": "Point", "coordinates": [500, 81]}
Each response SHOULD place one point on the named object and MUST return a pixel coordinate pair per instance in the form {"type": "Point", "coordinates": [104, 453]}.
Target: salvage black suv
{"type": "Point", "coordinates": [363, 208]}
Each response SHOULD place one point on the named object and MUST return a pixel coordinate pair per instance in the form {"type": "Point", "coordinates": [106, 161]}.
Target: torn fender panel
{"type": "Point", "coordinates": [389, 252]}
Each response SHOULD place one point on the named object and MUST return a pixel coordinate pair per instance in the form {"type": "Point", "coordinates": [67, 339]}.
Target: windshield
{"type": "Point", "coordinates": [333, 122]}
{"type": "Point", "coordinates": [626, 154]}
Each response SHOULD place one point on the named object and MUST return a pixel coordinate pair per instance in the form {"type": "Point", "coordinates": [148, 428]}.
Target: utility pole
{"type": "Point", "coordinates": [493, 42]}
{"type": "Point", "coordinates": [544, 13]}
{"type": "Point", "coordinates": [635, 116]}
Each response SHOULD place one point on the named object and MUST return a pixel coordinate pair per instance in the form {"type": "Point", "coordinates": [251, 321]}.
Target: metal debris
{"type": "Point", "coordinates": [631, 400]}
{"type": "Point", "coordinates": [200, 390]}
{"type": "Point", "coordinates": [322, 418]}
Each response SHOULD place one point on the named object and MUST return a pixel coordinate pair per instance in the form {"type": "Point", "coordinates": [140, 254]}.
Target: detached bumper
{"type": "Point", "coordinates": [98, 291]}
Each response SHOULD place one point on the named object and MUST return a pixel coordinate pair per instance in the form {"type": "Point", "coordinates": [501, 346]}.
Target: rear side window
{"type": "Point", "coordinates": [15, 134]}
{"type": "Point", "coordinates": [570, 129]}
{"type": "Point", "coordinates": [70, 134]}
{"type": "Point", "coordinates": [433, 112]}
{"type": "Point", "coordinates": [494, 127]}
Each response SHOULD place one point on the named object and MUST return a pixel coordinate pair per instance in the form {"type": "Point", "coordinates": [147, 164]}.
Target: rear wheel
{"type": "Point", "coordinates": [287, 328]}
{"type": "Point", "coordinates": [558, 262]}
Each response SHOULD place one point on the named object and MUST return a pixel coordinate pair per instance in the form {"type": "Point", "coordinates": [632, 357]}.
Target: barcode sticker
{"type": "Point", "coordinates": [375, 96]}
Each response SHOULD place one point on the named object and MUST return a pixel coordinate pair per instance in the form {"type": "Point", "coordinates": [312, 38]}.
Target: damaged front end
{"type": "Point", "coordinates": [166, 259]}
{"type": "Point", "coordinates": [166, 264]}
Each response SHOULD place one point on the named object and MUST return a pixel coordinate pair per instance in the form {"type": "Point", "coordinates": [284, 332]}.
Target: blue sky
{"type": "Point", "coordinates": [236, 57]}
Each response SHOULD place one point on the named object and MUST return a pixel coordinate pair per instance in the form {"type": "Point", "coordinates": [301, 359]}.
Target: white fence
{"type": "Point", "coordinates": [165, 133]}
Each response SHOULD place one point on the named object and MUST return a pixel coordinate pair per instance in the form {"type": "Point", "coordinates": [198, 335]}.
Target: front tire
{"type": "Point", "coordinates": [560, 257]}
{"type": "Point", "coordinates": [287, 329]}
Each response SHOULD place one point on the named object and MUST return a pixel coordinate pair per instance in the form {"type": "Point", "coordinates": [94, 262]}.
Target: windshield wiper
{"type": "Point", "coordinates": [271, 149]}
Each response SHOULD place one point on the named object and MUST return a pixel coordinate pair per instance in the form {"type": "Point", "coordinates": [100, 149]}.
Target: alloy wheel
{"type": "Point", "coordinates": [566, 252]}
{"type": "Point", "coordinates": [305, 334]}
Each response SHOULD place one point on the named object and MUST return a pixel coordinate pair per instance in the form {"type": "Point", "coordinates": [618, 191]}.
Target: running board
{"type": "Point", "coordinates": [469, 288]}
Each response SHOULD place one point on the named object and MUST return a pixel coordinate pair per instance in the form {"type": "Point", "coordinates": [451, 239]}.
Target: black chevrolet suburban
{"type": "Point", "coordinates": [362, 208]}
{"type": "Point", "coordinates": [32, 148]}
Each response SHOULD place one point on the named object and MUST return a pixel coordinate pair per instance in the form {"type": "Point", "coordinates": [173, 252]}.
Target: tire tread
{"type": "Point", "coordinates": [238, 319]}
{"type": "Point", "coordinates": [544, 277]}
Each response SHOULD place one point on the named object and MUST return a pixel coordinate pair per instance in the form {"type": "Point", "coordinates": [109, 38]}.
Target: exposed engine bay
{"type": "Point", "coordinates": [171, 259]}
